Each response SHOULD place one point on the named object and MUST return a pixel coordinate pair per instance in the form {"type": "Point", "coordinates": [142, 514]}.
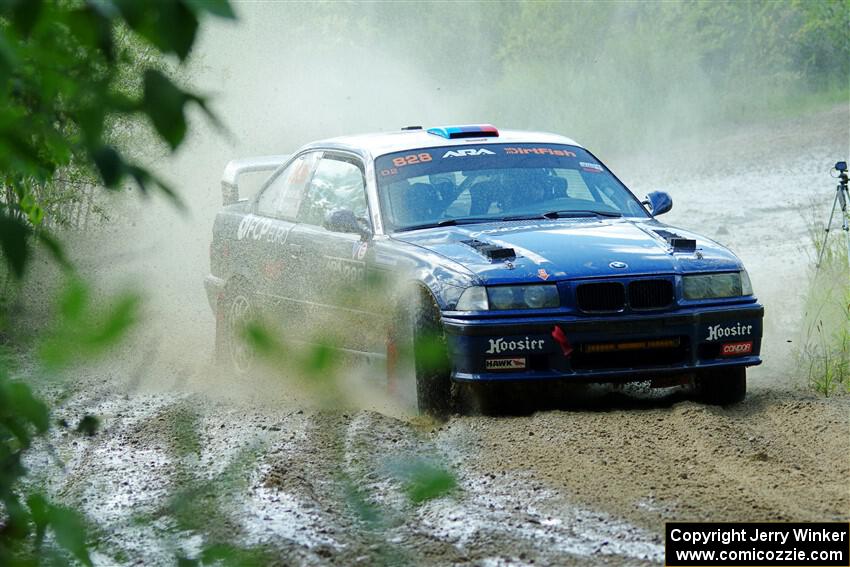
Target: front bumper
{"type": "Point", "coordinates": [613, 348]}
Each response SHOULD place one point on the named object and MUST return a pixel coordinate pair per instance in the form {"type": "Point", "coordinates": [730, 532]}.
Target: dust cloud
{"type": "Point", "coordinates": [592, 485]}
{"type": "Point", "coordinates": [286, 74]}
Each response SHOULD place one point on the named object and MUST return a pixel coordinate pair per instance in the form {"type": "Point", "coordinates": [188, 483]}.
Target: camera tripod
{"type": "Point", "coordinates": [841, 199]}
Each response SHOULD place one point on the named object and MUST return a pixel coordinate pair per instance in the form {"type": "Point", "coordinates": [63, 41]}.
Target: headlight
{"type": "Point", "coordinates": [746, 284]}
{"type": "Point", "coordinates": [523, 296]}
{"type": "Point", "coordinates": [473, 299]}
{"type": "Point", "coordinates": [506, 297]}
{"type": "Point", "coordinates": [713, 286]}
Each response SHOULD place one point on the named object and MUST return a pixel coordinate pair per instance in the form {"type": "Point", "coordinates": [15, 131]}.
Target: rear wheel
{"type": "Point", "coordinates": [435, 393]}
{"type": "Point", "coordinates": [722, 386]}
{"type": "Point", "coordinates": [235, 310]}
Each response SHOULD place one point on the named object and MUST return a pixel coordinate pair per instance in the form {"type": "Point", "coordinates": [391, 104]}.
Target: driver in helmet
{"type": "Point", "coordinates": [526, 188]}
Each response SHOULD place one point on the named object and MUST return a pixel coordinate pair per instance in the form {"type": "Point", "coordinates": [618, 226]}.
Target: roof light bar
{"type": "Point", "coordinates": [466, 131]}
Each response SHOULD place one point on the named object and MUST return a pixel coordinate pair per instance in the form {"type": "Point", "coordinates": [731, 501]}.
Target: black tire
{"type": "Point", "coordinates": [235, 309]}
{"type": "Point", "coordinates": [722, 386]}
{"type": "Point", "coordinates": [435, 392]}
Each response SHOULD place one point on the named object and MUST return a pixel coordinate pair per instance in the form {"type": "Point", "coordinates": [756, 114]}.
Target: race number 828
{"type": "Point", "coordinates": [411, 159]}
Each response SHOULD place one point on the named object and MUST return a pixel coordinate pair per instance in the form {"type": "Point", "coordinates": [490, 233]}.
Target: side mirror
{"type": "Point", "coordinates": [343, 220]}
{"type": "Point", "coordinates": [659, 202]}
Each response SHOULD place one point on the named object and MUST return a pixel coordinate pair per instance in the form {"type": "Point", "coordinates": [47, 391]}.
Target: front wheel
{"type": "Point", "coordinates": [722, 386]}
{"type": "Point", "coordinates": [435, 392]}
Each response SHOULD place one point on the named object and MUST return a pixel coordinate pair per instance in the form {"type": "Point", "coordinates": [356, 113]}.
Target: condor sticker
{"type": "Point", "coordinates": [497, 364]}
{"type": "Point", "coordinates": [736, 349]}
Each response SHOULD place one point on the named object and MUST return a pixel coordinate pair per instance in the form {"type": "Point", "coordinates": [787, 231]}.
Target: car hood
{"type": "Point", "coordinates": [562, 249]}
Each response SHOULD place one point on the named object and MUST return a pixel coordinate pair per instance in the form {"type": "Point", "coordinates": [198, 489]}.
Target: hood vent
{"type": "Point", "coordinates": [678, 243]}
{"type": "Point", "coordinates": [490, 251]}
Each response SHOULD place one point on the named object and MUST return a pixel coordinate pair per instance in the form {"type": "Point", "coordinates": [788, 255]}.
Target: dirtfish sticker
{"type": "Point", "coordinates": [717, 332]}
{"type": "Point", "coordinates": [500, 345]}
{"type": "Point", "coordinates": [539, 152]}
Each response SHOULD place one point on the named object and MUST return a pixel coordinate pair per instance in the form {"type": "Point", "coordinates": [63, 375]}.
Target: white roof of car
{"type": "Point", "coordinates": [389, 142]}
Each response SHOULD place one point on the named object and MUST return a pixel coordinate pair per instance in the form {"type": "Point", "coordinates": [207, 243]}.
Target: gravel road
{"type": "Point", "coordinates": [186, 456]}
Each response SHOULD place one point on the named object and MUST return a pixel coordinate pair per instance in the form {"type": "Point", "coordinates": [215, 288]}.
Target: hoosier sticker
{"type": "Point", "coordinates": [717, 332]}
{"type": "Point", "coordinates": [497, 346]}
{"type": "Point", "coordinates": [505, 363]}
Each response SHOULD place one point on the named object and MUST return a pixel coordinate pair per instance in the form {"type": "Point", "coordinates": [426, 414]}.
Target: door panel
{"type": "Point", "coordinates": [276, 283]}
{"type": "Point", "coordinates": [332, 265]}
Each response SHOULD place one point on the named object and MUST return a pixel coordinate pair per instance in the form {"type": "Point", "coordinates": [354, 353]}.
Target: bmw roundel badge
{"type": "Point", "coordinates": [618, 265]}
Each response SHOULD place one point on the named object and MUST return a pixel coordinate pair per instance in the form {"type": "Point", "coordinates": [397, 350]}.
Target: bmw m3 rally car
{"type": "Point", "coordinates": [520, 251]}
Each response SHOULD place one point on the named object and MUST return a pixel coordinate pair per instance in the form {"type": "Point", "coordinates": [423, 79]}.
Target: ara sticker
{"type": "Point", "coordinates": [542, 274]}
{"type": "Point", "coordinates": [468, 152]}
{"type": "Point", "coordinates": [591, 167]}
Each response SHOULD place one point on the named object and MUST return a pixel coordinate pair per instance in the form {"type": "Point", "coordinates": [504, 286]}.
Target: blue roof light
{"type": "Point", "coordinates": [466, 131]}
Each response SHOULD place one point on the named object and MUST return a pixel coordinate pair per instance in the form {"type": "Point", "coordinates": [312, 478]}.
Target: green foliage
{"type": "Point", "coordinates": [313, 368]}
{"type": "Point", "coordinates": [85, 326]}
{"type": "Point", "coordinates": [88, 425]}
{"type": "Point", "coordinates": [603, 71]}
{"type": "Point", "coordinates": [81, 330]}
{"type": "Point", "coordinates": [22, 417]}
{"type": "Point", "coordinates": [199, 505]}
{"type": "Point", "coordinates": [62, 86]}
{"type": "Point", "coordinates": [225, 555]}
{"type": "Point", "coordinates": [824, 353]}
{"type": "Point", "coordinates": [69, 71]}
{"type": "Point", "coordinates": [424, 480]}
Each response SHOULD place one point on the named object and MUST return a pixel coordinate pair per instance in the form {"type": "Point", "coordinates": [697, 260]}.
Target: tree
{"type": "Point", "coordinates": [61, 86]}
{"type": "Point", "coordinates": [69, 72]}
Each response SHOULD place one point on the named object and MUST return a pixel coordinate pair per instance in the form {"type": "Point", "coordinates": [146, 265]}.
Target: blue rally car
{"type": "Point", "coordinates": [517, 257]}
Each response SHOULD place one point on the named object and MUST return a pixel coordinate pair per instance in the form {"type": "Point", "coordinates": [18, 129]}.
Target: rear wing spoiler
{"type": "Point", "coordinates": [236, 167]}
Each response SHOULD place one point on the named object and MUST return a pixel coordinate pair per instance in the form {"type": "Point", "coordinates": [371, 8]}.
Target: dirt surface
{"type": "Point", "coordinates": [186, 456]}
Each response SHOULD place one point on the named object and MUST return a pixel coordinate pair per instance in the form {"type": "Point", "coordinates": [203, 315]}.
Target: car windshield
{"type": "Point", "coordinates": [491, 182]}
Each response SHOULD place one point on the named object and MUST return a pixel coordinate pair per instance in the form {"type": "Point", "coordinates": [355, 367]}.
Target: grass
{"type": "Point", "coordinates": [825, 351]}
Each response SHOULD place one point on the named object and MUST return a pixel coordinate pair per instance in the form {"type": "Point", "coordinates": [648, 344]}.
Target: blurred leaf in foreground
{"type": "Point", "coordinates": [86, 328]}
{"type": "Point", "coordinates": [424, 480]}
{"type": "Point", "coordinates": [89, 425]}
